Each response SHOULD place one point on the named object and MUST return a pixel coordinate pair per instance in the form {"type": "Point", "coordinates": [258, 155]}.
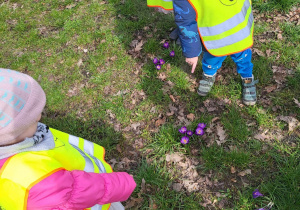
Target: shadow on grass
{"type": "Point", "coordinates": [96, 131]}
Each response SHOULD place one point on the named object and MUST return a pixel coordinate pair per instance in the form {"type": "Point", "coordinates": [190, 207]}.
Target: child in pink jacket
{"type": "Point", "coordinates": [45, 169]}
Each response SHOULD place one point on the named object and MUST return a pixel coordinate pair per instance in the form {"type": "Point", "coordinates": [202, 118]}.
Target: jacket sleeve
{"type": "Point", "coordinates": [185, 19]}
{"type": "Point", "coordinates": [79, 190]}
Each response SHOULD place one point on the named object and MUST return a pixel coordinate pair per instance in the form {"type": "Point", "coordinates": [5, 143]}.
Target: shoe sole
{"type": "Point", "coordinates": [201, 93]}
{"type": "Point", "coordinates": [249, 103]}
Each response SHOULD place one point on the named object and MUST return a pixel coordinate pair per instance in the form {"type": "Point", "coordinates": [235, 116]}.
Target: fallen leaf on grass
{"type": "Point", "coordinates": [133, 202]}
{"type": "Point", "coordinates": [118, 147]}
{"type": "Point", "coordinates": [113, 162]}
{"type": "Point", "coordinates": [262, 136]}
{"type": "Point", "coordinates": [191, 116]}
{"type": "Point", "coordinates": [175, 157]}
{"type": "Point", "coordinates": [143, 186]}
{"type": "Point", "coordinates": [260, 53]}
{"type": "Point", "coordinates": [135, 125]}
{"type": "Point", "coordinates": [292, 122]}
{"type": "Point", "coordinates": [297, 102]}
{"type": "Point", "coordinates": [160, 122]}
{"type": "Point", "coordinates": [172, 98]}
{"type": "Point", "coordinates": [190, 185]}
{"type": "Point", "coordinates": [138, 47]}
{"type": "Point", "coordinates": [244, 173]}
{"type": "Point", "coordinates": [79, 63]}
{"type": "Point", "coordinates": [222, 135]}
{"type": "Point", "coordinates": [162, 76]}
{"type": "Point", "coordinates": [270, 88]}
{"type": "Point", "coordinates": [177, 187]}
{"type": "Point", "coordinates": [232, 169]}
{"type": "Point", "coordinates": [121, 92]}
{"type": "Point", "coordinates": [70, 6]}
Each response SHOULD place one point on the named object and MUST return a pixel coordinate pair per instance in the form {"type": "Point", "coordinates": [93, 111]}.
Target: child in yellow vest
{"type": "Point", "coordinates": [45, 169]}
{"type": "Point", "coordinates": [223, 27]}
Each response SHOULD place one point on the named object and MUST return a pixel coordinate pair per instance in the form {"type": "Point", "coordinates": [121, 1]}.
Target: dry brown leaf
{"type": "Point", "coordinates": [133, 202]}
{"type": "Point", "coordinates": [160, 122]}
{"type": "Point", "coordinates": [134, 43]}
{"type": "Point", "coordinates": [162, 76]}
{"type": "Point", "coordinates": [170, 113]}
{"type": "Point", "coordinates": [271, 88]}
{"type": "Point", "coordinates": [174, 157]}
{"type": "Point", "coordinates": [260, 53]}
{"type": "Point", "coordinates": [262, 136]}
{"type": "Point", "coordinates": [268, 52]}
{"type": "Point", "coordinates": [172, 98]}
{"type": "Point", "coordinates": [170, 83]}
{"type": "Point", "coordinates": [79, 63]}
{"type": "Point", "coordinates": [143, 186]}
{"type": "Point", "coordinates": [118, 147]}
{"type": "Point", "coordinates": [113, 162]}
{"type": "Point", "coordinates": [232, 169]}
{"type": "Point", "coordinates": [211, 109]}
{"type": "Point", "coordinates": [221, 133]}
{"type": "Point", "coordinates": [70, 6]}
{"type": "Point", "coordinates": [191, 116]}
{"type": "Point", "coordinates": [153, 206]}
{"type": "Point", "coordinates": [244, 173]}
{"type": "Point", "coordinates": [138, 47]}
{"type": "Point", "coordinates": [135, 125]}
{"type": "Point", "coordinates": [297, 102]}
{"type": "Point", "coordinates": [177, 187]}
{"type": "Point", "coordinates": [292, 122]}
{"type": "Point", "coordinates": [215, 119]}
{"type": "Point", "coordinates": [279, 36]}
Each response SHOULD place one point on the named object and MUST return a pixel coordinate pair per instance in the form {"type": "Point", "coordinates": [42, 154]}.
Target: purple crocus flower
{"type": "Point", "coordinates": [166, 45]}
{"type": "Point", "coordinates": [161, 61]}
{"type": "Point", "coordinates": [158, 67]}
{"type": "Point", "coordinates": [185, 140]}
{"type": "Point", "coordinates": [189, 133]}
{"type": "Point", "coordinates": [256, 194]}
{"type": "Point", "coordinates": [199, 131]}
{"type": "Point", "coordinates": [201, 125]}
{"type": "Point", "coordinates": [155, 60]}
{"type": "Point", "coordinates": [182, 129]}
{"type": "Point", "coordinates": [172, 54]}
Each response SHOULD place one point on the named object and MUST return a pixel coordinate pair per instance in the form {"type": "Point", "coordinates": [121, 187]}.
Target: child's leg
{"type": "Point", "coordinates": [245, 68]}
{"type": "Point", "coordinates": [210, 66]}
{"type": "Point", "coordinates": [243, 63]}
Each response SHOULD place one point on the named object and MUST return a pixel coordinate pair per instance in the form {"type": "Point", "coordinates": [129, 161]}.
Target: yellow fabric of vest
{"type": "Point", "coordinates": [22, 171]}
{"type": "Point", "coordinates": [225, 26]}
{"type": "Point", "coordinates": [165, 4]}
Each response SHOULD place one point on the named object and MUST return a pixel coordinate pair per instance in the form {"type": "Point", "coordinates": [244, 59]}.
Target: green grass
{"type": "Point", "coordinates": [81, 58]}
{"type": "Point", "coordinates": [217, 158]}
{"type": "Point", "coordinates": [235, 124]}
{"type": "Point", "coordinates": [160, 193]}
{"type": "Point", "coordinates": [270, 5]}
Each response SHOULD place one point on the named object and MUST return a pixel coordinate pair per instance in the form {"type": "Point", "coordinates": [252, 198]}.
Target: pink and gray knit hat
{"type": "Point", "coordinates": [22, 100]}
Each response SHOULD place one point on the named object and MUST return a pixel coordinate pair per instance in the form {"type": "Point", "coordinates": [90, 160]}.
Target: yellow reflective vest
{"type": "Point", "coordinates": [22, 171]}
{"type": "Point", "coordinates": [225, 26]}
{"type": "Point", "coordinates": [165, 4]}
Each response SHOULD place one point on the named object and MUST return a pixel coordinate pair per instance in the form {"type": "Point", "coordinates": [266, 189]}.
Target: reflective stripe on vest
{"type": "Point", "coordinates": [22, 171]}
{"type": "Point", "coordinates": [165, 4]}
{"type": "Point", "coordinates": [88, 147]}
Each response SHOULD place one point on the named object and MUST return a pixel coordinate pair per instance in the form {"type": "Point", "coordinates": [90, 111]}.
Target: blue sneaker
{"type": "Point", "coordinates": [206, 84]}
{"type": "Point", "coordinates": [249, 91]}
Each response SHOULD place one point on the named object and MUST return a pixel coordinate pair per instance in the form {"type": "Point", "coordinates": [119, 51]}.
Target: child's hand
{"type": "Point", "coordinates": [193, 62]}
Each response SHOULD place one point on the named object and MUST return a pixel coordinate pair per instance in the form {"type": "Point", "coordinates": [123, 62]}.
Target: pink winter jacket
{"type": "Point", "coordinates": [77, 190]}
